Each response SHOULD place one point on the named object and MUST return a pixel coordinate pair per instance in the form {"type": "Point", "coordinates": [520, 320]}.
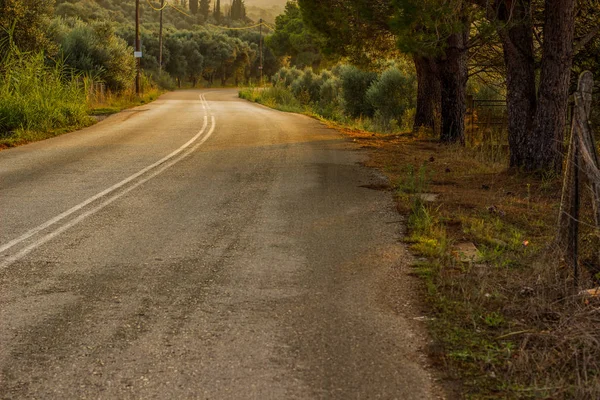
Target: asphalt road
{"type": "Point", "coordinates": [202, 247]}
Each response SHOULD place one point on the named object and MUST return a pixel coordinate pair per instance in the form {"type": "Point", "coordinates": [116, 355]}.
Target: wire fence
{"type": "Point", "coordinates": [96, 93]}
{"type": "Point", "coordinates": [578, 236]}
{"type": "Point", "coordinates": [487, 128]}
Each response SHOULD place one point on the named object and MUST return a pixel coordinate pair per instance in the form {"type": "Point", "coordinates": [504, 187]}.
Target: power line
{"type": "Point", "coordinates": [181, 11]}
{"type": "Point", "coordinates": [243, 27]}
{"type": "Point", "coordinates": [157, 9]}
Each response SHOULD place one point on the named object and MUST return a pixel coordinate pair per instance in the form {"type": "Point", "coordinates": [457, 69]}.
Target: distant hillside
{"type": "Point", "coordinates": [268, 14]}
{"type": "Point", "coordinates": [123, 12]}
{"type": "Point", "coordinates": [266, 3]}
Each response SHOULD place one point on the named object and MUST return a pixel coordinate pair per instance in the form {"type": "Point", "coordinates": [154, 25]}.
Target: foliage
{"type": "Point", "coordinates": [35, 96]}
{"type": "Point", "coordinates": [307, 87]}
{"type": "Point", "coordinates": [355, 83]}
{"type": "Point", "coordinates": [27, 21]}
{"type": "Point", "coordinates": [341, 93]}
{"type": "Point", "coordinates": [95, 50]}
{"type": "Point", "coordinates": [392, 94]}
{"type": "Point", "coordinates": [286, 76]}
{"type": "Point", "coordinates": [205, 8]}
{"type": "Point", "coordinates": [294, 40]}
{"type": "Point", "coordinates": [217, 11]}
{"type": "Point", "coordinates": [331, 88]}
{"type": "Point", "coordinates": [237, 12]}
{"type": "Point", "coordinates": [194, 6]}
{"type": "Point", "coordinates": [357, 30]}
{"type": "Point", "coordinates": [277, 96]}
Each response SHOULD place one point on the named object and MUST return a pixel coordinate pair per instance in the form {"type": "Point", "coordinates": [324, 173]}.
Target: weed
{"type": "Point", "coordinates": [36, 97]}
{"type": "Point", "coordinates": [414, 181]}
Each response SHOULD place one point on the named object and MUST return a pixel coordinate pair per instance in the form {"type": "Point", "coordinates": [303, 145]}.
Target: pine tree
{"type": "Point", "coordinates": [238, 10]}
{"type": "Point", "coordinates": [194, 6]}
{"type": "Point", "coordinates": [205, 8]}
{"type": "Point", "coordinates": [217, 12]}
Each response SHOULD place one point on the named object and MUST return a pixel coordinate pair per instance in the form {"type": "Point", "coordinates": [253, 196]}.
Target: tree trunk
{"type": "Point", "coordinates": [516, 34]}
{"type": "Point", "coordinates": [453, 77]}
{"type": "Point", "coordinates": [194, 6]}
{"type": "Point", "coordinates": [546, 148]}
{"type": "Point", "coordinates": [429, 93]}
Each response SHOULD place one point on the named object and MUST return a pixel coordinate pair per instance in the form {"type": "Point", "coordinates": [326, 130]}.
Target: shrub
{"type": "Point", "coordinates": [286, 76]}
{"type": "Point", "coordinates": [97, 51]}
{"type": "Point", "coordinates": [164, 80]}
{"type": "Point", "coordinates": [281, 96]}
{"type": "Point", "coordinates": [307, 87]}
{"type": "Point", "coordinates": [355, 84]}
{"type": "Point", "coordinates": [330, 104]}
{"type": "Point", "coordinates": [391, 95]}
{"type": "Point", "coordinates": [331, 91]}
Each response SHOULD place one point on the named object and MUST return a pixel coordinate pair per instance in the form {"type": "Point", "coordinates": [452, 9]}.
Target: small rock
{"type": "Point", "coordinates": [423, 318]}
{"type": "Point", "coordinates": [467, 252]}
{"type": "Point", "coordinates": [428, 197]}
{"type": "Point", "coordinates": [526, 291]}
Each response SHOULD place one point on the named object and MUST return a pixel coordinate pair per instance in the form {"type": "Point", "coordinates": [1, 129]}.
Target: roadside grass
{"type": "Point", "coordinates": [45, 104]}
{"type": "Point", "coordinates": [505, 319]}
{"type": "Point", "coordinates": [506, 323]}
{"type": "Point", "coordinates": [273, 97]}
{"type": "Point", "coordinates": [113, 104]}
{"type": "Point", "coordinates": [37, 98]}
{"type": "Point", "coordinates": [282, 99]}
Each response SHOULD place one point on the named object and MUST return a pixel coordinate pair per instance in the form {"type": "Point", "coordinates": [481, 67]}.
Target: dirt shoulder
{"type": "Point", "coordinates": [498, 301]}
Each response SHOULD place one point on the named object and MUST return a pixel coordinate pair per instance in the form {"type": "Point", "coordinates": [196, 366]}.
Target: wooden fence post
{"type": "Point", "coordinates": [582, 157]}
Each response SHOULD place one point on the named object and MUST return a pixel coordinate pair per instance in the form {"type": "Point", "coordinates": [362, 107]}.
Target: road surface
{"type": "Point", "coordinates": [202, 247]}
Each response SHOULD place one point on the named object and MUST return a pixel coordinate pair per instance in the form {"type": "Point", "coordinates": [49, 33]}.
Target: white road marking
{"type": "Point", "coordinates": [60, 217]}
{"type": "Point", "coordinates": [205, 104]}
{"type": "Point", "coordinates": [9, 260]}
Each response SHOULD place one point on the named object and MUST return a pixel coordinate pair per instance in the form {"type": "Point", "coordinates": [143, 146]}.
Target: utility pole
{"type": "Point", "coordinates": [160, 36]}
{"type": "Point", "coordinates": [138, 49]}
{"type": "Point", "coordinates": [261, 53]}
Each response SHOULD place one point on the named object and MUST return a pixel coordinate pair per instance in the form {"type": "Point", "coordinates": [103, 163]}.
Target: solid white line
{"type": "Point", "coordinates": [8, 261]}
{"type": "Point", "coordinates": [111, 189]}
{"type": "Point", "coordinates": [203, 98]}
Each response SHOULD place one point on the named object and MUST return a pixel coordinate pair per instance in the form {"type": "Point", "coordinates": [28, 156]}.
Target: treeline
{"type": "Point", "coordinates": [79, 43]}
{"type": "Point", "coordinates": [530, 47]}
{"type": "Point", "coordinates": [195, 50]}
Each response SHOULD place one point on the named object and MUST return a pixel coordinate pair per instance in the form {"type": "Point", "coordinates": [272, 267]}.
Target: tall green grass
{"type": "Point", "coordinates": [37, 97]}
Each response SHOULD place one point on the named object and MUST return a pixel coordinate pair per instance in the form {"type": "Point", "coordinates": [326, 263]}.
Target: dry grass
{"type": "Point", "coordinates": [509, 324]}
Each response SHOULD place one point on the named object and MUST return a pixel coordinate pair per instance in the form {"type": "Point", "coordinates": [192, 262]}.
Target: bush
{"type": "Point", "coordinates": [330, 92]}
{"type": "Point", "coordinates": [164, 80]}
{"type": "Point", "coordinates": [282, 97]}
{"type": "Point", "coordinates": [355, 84]}
{"type": "Point", "coordinates": [286, 76]}
{"type": "Point", "coordinates": [307, 87]}
{"type": "Point", "coordinates": [96, 51]}
{"type": "Point", "coordinates": [391, 95]}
